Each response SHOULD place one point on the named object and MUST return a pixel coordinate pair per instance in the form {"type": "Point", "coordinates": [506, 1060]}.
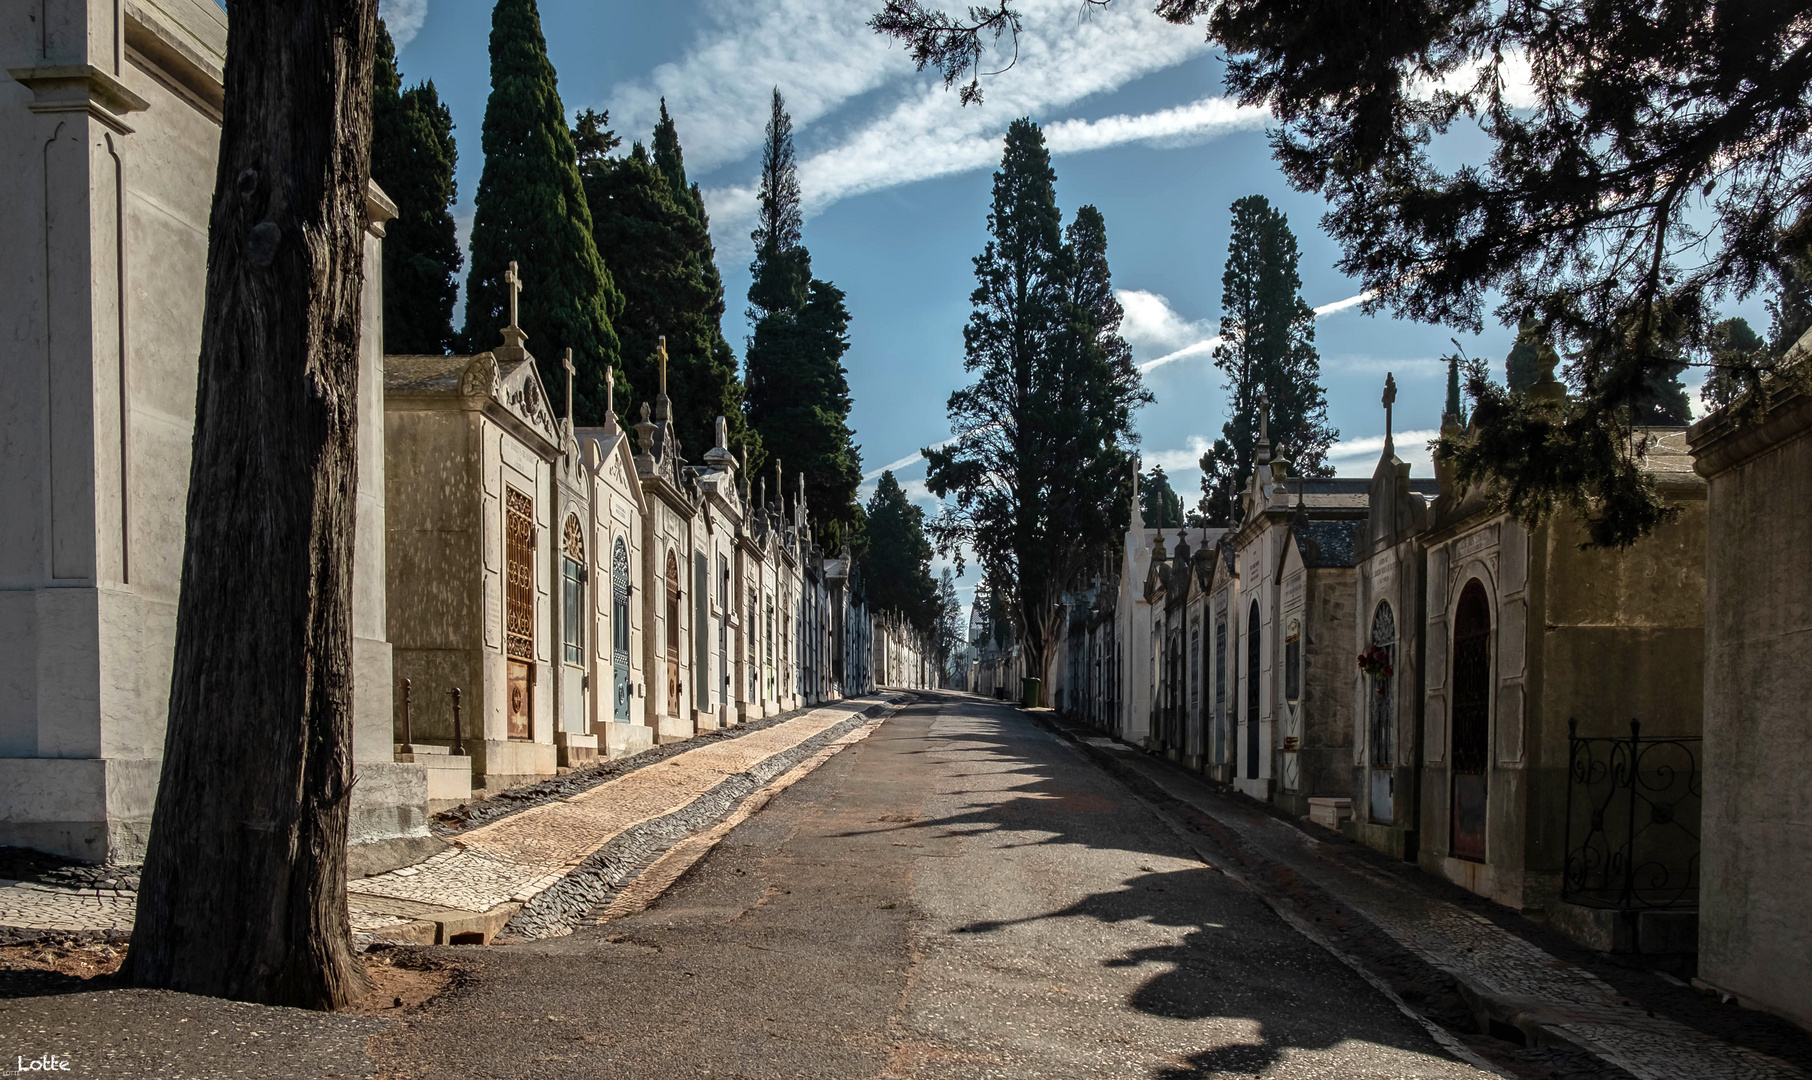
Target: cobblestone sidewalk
{"type": "Point", "coordinates": [1512, 980]}
{"type": "Point", "coordinates": [471, 891]}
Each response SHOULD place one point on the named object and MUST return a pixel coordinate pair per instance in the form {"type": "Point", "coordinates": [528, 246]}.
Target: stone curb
{"type": "Point", "coordinates": [555, 903]}
{"type": "Point", "coordinates": [601, 877]}
{"type": "Point", "coordinates": [1541, 1022]}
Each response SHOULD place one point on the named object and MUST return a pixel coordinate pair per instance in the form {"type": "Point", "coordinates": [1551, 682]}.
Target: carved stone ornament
{"type": "Point", "coordinates": [480, 378]}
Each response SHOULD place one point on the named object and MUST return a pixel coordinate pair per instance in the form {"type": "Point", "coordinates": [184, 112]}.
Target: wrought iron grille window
{"type": "Point", "coordinates": [751, 630]}
{"type": "Point", "coordinates": [519, 575]}
{"type": "Point", "coordinates": [1383, 700]}
{"type": "Point", "coordinates": [1633, 811]}
{"type": "Point", "coordinates": [619, 627]}
{"type": "Point", "coordinates": [572, 581]}
{"type": "Point", "coordinates": [1195, 681]}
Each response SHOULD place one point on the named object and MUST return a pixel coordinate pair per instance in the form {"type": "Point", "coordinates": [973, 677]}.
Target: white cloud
{"type": "Point", "coordinates": [918, 130]}
{"type": "Point", "coordinates": [1177, 461]}
{"type": "Point", "coordinates": [1204, 347]}
{"type": "Point", "coordinates": [913, 458]}
{"type": "Point", "coordinates": [819, 54]}
{"type": "Point", "coordinates": [403, 18]}
{"type": "Point", "coordinates": [1428, 367]}
{"type": "Point", "coordinates": [1358, 457]}
{"type": "Point", "coordinates": [1152, 325]}
{"type": "Point", "coordinates": [1518, 76]}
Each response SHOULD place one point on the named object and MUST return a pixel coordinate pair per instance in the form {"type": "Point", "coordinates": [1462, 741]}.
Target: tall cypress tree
{"type": "Point", "coordinates": [531, 208]}
{"type": "Point", "coordinates": [798, 390]}
{"type": "Point", "coordinates": [660, 244]}
{"type": "Point", "coordinates": [1523, 366]}
{"type": "Point", "coordinates": [899, 557]}
{"type": "Point", "coordinates": [1033, 474]}
{"type": "Point", "coordinates": [413, 157]}
{"type": "Point", "coordinates": [1161, 506]}
{"type": "Point", "coordinates": [1268, 348]}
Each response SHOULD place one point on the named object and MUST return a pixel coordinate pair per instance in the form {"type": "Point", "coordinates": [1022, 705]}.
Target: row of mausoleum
{"type": "Point", "coordinates": [1611, 740]}
{"type": "Point", "coordinates": [527, 596]}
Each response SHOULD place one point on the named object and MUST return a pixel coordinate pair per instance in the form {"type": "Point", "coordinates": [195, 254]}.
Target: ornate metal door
{"type": "Point", "coordinates": [673, 634]}
{"type": "Point", "coordinates": [519, 609]}
{"type": "Point", "coordinates": [1382, 716]}
{"type": "Point", "coordinates": [1220, 690]}
{"type": "Point", "coordinates": [1471, 721]}
{"type": "Point", "coordinates": [619, 628]}
{"type": "Point", "coordinates": [1252, 685]}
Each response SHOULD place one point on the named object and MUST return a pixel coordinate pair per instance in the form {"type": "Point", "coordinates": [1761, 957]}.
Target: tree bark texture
{"type": "Point", "coordinates": [243, 893]}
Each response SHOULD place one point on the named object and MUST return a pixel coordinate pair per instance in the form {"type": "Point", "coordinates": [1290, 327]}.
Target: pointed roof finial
{"type": "Point", "coordinates": [661, 350]}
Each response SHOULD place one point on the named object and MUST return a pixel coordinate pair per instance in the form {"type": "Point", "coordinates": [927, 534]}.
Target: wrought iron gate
{"type": "Point", "coordinates": [1633, 807]}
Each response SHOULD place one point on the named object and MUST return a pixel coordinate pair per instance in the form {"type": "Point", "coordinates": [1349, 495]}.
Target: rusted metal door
{"type": "Point", "coordinates": [519, 609]}
{"type": "Point", "coordinates": [1471, 721]}
{"type": "Point", "coordinates": [673, 635]}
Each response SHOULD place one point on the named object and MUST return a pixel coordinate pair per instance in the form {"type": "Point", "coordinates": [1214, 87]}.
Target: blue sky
{"type": "Point", "coordinates": [896, 177]}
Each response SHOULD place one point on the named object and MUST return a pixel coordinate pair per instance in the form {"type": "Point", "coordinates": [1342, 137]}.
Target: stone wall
{"type": "Point", "coordinates": [1755, 928]}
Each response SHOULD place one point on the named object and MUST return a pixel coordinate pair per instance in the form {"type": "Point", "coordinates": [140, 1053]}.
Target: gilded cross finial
{"type": "Point", "coordinates": [662, 351]}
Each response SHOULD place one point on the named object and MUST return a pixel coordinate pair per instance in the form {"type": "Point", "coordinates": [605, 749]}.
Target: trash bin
{"type": "Point", "coordinates": [1031, 692]}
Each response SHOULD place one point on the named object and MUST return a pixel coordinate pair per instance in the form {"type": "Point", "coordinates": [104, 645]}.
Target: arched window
{"type": "Point", "coordinates": [572, 593]}
{"type": "Point", "coordinates": [1471, 720]}
{"type": "Point", "coordinates": [619, 626]}
{"type": "Point", "coordinates": [1252, 681]}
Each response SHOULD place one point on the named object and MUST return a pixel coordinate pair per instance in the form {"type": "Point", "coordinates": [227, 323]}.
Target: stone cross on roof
{"type": "Point", "coordinates": [513, 337]}
{"type": "Point", "coordinates": [1390, 398]}
{"type": "Point", "coordinates": [1262, 451]}
{"type": "Point", "coordinates": [567, 363]}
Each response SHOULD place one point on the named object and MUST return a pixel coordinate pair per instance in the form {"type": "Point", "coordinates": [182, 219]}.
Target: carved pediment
{"type": "Point", "coordinates": [521, 392]}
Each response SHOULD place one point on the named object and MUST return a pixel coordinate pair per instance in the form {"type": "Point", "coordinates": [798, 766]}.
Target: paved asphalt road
{"type": "Point", "coordinates": [960, 895]}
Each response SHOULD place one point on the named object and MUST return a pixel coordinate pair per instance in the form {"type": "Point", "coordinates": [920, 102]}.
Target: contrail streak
{"type": "Point", "coordinates": [1207, 346]}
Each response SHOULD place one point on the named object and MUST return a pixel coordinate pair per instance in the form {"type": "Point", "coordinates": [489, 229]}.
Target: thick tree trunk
{"type": "Point", "coordinates": [244, 887]}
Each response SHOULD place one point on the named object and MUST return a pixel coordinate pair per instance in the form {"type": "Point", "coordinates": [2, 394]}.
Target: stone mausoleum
{"type": "Point", "coordinates": [587, 592]}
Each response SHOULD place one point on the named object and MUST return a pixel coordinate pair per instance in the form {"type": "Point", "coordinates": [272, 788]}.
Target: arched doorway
{"type": "Point", "coordinates": [1252, 693]}
{"type": "Point", "coordinates": [673, 643]}
{"type": "Point", "coordinates": [1382, 716]}
{"type": "Point", "coordinates": [619, 627]}
{"type": "Point", "coordinates": [1471, 720]}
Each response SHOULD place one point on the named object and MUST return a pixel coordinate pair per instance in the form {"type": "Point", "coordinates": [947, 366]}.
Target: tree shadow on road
{"type": "Point", "coordinates": [1234, 959]}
